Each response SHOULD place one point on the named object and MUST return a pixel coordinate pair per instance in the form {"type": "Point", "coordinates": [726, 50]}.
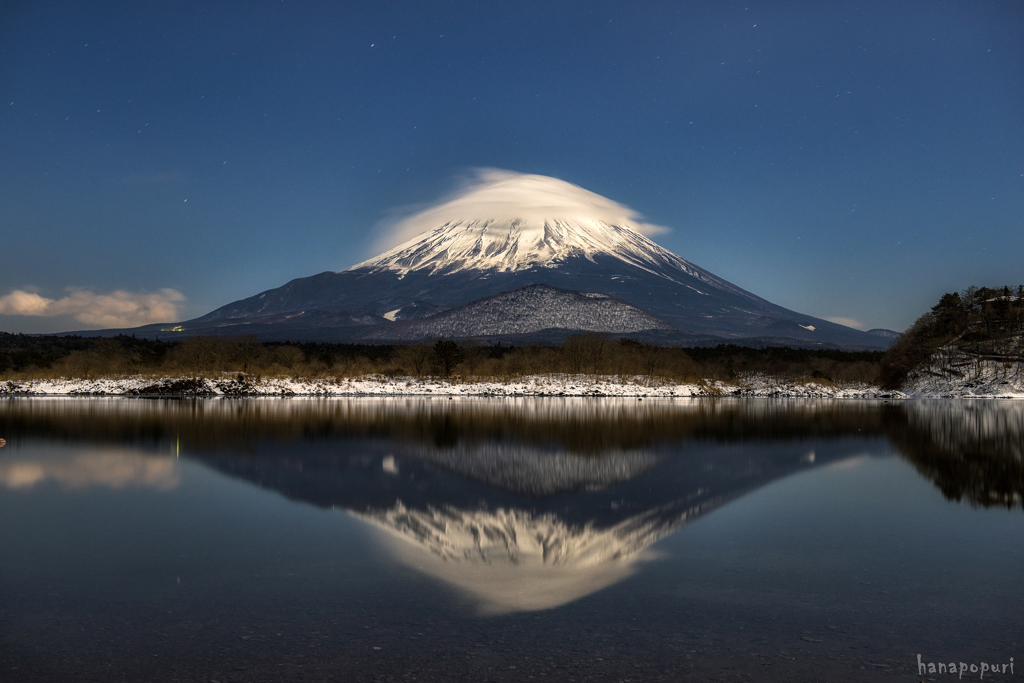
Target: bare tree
{"type": "Point", "coordinates": [447, 354]}
{"type": "Point", "coordinates": [415, 357]}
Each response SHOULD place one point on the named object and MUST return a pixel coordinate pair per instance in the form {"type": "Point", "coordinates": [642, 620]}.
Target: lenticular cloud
{"type": "Point", "coordinates": [505, 196]}
{"type": "Point", "coordinates": [117, 309]}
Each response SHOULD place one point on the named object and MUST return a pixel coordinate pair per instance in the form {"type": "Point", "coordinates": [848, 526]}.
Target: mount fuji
{"type": "Point", "coordinates": [509, 232]}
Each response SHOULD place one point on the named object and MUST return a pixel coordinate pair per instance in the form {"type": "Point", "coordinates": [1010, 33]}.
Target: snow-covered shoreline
{"type": "Point", "coordinates": [535, 385]}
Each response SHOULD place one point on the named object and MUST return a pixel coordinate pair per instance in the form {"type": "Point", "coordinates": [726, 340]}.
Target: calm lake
{"type": "Point", "coordinates": [509, 539]}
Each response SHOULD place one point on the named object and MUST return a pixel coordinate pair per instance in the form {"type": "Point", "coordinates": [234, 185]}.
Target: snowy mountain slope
{"type": "Point", "coordinates": [524, 311]}
{"type": "Point", "coordinates": [520, 245]}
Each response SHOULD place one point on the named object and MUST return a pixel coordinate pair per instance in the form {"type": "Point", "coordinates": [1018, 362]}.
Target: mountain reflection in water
{"type": "Point", "coordinates": [522, 504]}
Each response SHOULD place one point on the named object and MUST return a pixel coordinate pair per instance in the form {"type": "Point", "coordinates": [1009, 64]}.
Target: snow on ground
{"type": "Point", "coordinates": [962, 376]}
{"type": "Point", "coordinates": [535, 385]}
{"type": "Point", "coordinates": [763, 385]}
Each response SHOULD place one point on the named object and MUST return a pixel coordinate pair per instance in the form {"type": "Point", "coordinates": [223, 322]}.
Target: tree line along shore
{"type": "Point", "coordinates": [978, 322]}
{"type": "Point", "coordinates": [26, 358]}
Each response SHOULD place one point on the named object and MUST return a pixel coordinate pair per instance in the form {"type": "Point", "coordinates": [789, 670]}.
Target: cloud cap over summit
{"type": "Point", "coordinates": [507, 196]}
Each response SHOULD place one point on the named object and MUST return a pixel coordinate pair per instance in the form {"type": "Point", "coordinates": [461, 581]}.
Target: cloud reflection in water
{"type": "Point", "coordinates": [79, 469]}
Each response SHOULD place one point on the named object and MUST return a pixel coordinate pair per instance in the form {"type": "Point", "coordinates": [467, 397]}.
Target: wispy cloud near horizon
{"type": "Point", "coordinates": [849, 322]}
{"type": "Point", "coordinates": [116, 309]}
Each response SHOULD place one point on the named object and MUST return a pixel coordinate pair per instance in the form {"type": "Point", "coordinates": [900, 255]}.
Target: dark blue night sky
{"type": "Point", "coordinates": [843, 159]}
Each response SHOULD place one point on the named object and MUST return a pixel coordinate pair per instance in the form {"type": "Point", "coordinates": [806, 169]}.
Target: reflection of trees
{"type": "Point", "coordinates": [582, 426]}
{"type": "Point", "coordinates": [970, 450]}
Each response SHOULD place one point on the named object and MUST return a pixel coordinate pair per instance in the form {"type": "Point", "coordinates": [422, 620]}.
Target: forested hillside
{"type": "Point", "coordinates": [963, 336]}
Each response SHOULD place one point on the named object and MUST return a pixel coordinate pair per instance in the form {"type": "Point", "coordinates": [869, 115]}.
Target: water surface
{"type": "Point", "coordinates": [559, 539]}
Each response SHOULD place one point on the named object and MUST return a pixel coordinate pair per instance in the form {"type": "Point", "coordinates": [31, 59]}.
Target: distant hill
{"type": "Point", "coordinates": [884, 333]}
{"type": "Point", "coordinates": [525, 311]}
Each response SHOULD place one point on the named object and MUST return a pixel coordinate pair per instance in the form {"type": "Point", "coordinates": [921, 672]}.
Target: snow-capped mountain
{"type": "Point", "coordinates": [509, 232]}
